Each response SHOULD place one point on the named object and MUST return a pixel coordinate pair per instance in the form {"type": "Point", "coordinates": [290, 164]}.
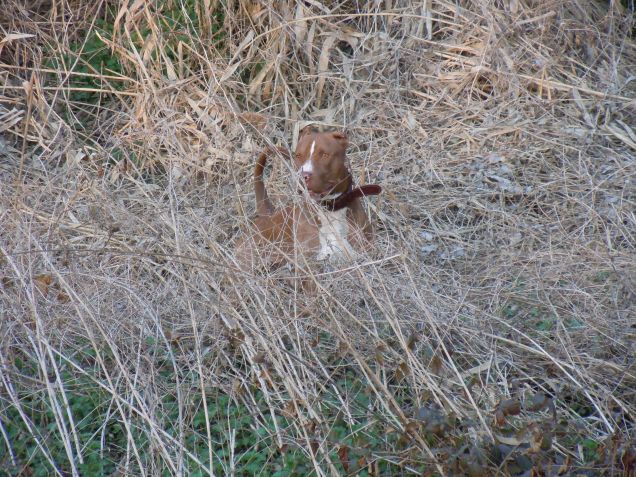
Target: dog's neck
{"type": "Point", "coordinates": [346, 198]}
{"type": "Point", "coordinates": [340, 200]}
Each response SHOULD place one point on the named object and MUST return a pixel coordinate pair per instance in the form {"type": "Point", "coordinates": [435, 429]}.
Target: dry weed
{"type": "Point", "coordinates": [493, 332]}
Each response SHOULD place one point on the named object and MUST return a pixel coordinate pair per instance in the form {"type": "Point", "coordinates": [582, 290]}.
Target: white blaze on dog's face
{"type": "Point", "coordinates": [308, 166]}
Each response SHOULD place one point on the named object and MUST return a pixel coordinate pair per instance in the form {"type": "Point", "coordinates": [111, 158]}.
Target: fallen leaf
{"type": "Point", "coordinates": [256, 120]}
{"type": "Point", "coordinates": [412, 341]}
{"type": "Point", "coordinates": [511, 440]}
{"type": "Point", "coordinates": [402, 371]}
{"type": "Point", "coordinates": [435, 364]}
{"type": "Point", "coordinates": [62, 297]}
{"type": "Point", "coordinates": [628, 459]}
{"type": "Point", "coordinates": [541, 440]}
{"type": "Point", "coordinates": [500, 419]}
{"type": "Point", "coordinates": [509, 407]}
{"type": "Point", "coordinates": [343, 455]}
{"type": "Point", "coordinates": [43, 282]}
{"type": "Point", "coordinates": [565, 466]}
{"type": "Point", "coordinates": [538, 402]}
{"type": "Point", "coordinates": [12, 37]}
{"type": "Point", "coordinates": [412, 427]}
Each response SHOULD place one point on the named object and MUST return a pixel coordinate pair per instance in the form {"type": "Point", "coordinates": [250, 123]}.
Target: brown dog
{"type": "Point", "coordinates": [334, 227]}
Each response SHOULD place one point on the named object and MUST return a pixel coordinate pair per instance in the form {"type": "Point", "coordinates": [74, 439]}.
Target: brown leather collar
{"type": "Point", "coordinates": [344, 199]}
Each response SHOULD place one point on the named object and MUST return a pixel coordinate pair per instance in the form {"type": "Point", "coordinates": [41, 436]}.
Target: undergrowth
{"type": "Point", "coordinates": [492, 329]}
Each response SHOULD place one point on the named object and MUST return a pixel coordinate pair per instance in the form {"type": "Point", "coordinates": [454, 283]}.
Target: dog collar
{"type": "Point", "coordinates": [344, 199]}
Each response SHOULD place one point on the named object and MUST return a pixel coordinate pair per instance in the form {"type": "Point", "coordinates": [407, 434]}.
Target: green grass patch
{"type": "Point", "coordinates": [241, 439]}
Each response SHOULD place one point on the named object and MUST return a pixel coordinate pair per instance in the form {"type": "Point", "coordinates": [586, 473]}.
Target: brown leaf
{"type": "Point", "coordinates": [403, 440]}
{"type": "Point", "coordinates": [379, 356]}
{"type": "Point", "coordinates": [236, 340]}
{"type": "Point", "coordinates": [628, 459]}
{"type": "Point", "coordinates": [26, 471]}
{"type": "Point", "coordinates": [237, 387]}
{"type": "Point", "coordinates": [314, 446]}
{"type": "Point", "coordinates": [474, 469]}
{"type": "Point", "coordinates": [471, 465]}
{"type": "Point", "coordinates": [534, 472]}
{"type": "Point", "coordinates": [412, 341]}
{"type": "Point", "coordinates": [256, 120]}
{"type": "Point", "coordinates": [343, 349]}
{"type": "Point", "coordinates": [509, 407]}
{"type": "Point", "coordinates": [43, 282]}
{"type": "Point", "coordinates": [412, 427]}
{"type": "Point", "coordinates": [541, 440]}
{"type": "Point", "coordinates": [310, 426]}
{"type": "Point", "coordinates": [402, 371]}
{"type": "Point", "coordinates": [500, 419]}
{"type": "Point", "coordinates": [266, 376]}
{"type": "Point", "coordinates": [254, 10]}
{"type": "Point", "coordinates": [343, 455]}
{"type": "Point", "coordinates": [435, 421]}
{"type": "Point", "coordinates": [538, 402]}
{"type": "Point", "coordinates": [436, 364]}
{"type": "Point", "coordinates": [289, 411]}
{"type": "Point", "coordinates": [565, 466]}
{"type": "Point", "coordinates": [438, 427]}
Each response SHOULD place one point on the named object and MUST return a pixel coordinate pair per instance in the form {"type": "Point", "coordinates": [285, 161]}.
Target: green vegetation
{"type": "Point", "coordinates": [243, 438]}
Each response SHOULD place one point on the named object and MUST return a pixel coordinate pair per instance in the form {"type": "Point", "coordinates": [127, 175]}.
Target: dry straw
{"type": "Point", "coordinates": [502, 291]}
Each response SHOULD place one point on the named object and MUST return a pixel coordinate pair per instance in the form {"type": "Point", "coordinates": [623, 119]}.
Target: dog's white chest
{"type": "Point", "coordinates": [333, 234]}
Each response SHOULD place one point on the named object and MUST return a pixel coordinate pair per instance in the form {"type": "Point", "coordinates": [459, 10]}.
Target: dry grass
{"type": "Point", "coordinates": [503, 135]}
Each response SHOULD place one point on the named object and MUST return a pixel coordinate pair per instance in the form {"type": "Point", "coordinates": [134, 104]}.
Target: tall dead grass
{"type": "Point", "coordinates": [503, 283]}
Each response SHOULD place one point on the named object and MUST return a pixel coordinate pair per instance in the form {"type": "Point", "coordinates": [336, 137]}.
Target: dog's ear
{"type": "Point", "coordinates": [310, 128]}
{"type": "Point", "coordinates": [341, 137]}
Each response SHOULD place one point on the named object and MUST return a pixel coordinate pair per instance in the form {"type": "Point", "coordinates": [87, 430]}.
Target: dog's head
{"type": "Point", "coordinates": [320, 159]}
